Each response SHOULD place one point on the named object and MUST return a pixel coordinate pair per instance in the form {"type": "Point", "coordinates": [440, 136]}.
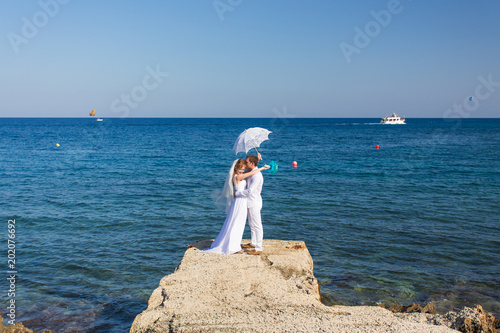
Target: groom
{"type": "Point", "coordinates": [252, 193]}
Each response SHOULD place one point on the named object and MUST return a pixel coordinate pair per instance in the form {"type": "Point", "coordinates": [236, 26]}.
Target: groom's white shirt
{"type": "Point", "coordinates": [253, 190]}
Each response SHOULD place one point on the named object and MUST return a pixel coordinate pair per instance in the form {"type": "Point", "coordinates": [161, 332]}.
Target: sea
{"type": "Point", "coordinates": [98, 212]}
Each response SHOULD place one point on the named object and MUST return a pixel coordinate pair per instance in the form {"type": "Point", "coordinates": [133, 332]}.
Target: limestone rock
{"type": "Point", "coordinates": [272, 292]}
{"type": "Point", "coordinates": [489, 324]}
{"type": "Point", "coordinates": [469, 320]}
{"type": "Point", "coordinates": [17, 328]}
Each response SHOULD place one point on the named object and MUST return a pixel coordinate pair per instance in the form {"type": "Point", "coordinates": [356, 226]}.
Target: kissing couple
{"type": "Point", "coordinates": [241, 196]}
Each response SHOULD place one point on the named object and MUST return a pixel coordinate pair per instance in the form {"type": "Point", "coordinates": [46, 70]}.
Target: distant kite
{"type": "Point", "coordinates": [92, 113]}
{"type": "Point", "coordinates": [470, 98]}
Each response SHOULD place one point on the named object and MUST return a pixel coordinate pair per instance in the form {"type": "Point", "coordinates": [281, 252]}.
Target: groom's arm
{"type": "Point", "coordinates": [253, 187]}
{"type": "Point", "coordinates": [244, 193]}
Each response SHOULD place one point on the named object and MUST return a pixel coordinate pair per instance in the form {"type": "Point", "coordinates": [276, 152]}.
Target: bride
{"type": "Point", "coordinates": [229, 239]}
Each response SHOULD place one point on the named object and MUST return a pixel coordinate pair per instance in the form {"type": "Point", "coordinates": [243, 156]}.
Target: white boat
{"type": "Point", "coordinates": [393, 119]}
{"type": "Point", "coordinates": [99, 119]}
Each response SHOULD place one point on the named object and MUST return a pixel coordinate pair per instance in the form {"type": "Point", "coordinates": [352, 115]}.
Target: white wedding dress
{"type": "Point", "coordinates": [229, 239]}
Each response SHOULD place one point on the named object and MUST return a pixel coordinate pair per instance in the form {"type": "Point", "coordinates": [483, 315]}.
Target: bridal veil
{"type": "Point", "coordinates": [223, 199]}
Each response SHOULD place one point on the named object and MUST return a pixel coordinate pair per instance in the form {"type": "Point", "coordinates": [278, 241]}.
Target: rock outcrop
{"type": "Point", "coordinates": [272, 292]}
{"type": "Point", "coordinates": [469, 320]}
{"type": "Point", "coordinates": [412, 308]}
{"type": "Point", "coordinates": [17, 328]}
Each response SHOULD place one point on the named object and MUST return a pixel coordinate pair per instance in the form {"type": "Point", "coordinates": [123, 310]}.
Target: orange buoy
{"type": "Point", "coordinates": [376, 146]}
{"type": "Point", "coordinates": [294, 163]}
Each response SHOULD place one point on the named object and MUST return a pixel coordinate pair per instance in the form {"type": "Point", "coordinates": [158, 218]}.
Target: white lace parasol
{"type": "Point", "coordinates": [251, 138]}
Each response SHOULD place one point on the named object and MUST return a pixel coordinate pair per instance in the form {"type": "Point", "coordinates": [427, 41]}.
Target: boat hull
{"type": "Point", "coordinates": [393, 119]}
{"type": "Point", "coordinates": [400, 122]}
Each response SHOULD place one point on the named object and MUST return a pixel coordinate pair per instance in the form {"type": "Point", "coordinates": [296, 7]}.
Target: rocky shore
{"type": "Point", "coordinates": [272, 292]}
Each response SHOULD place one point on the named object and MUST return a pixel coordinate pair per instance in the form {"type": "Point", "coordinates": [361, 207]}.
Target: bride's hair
{"type": "Point", "coordinates": [239, 164]}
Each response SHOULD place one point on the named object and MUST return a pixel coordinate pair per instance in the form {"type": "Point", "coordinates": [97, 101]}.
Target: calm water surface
{"type": "Point", "coordinates": [104, 216]}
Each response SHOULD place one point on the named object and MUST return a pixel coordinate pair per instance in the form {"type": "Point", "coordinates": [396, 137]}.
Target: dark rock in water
{"type": "Point", "coordinates": [17, 328]}
{"type": "Point", "coordinates": [412, 308]}
{"type": "Point", "coordinates": [429, 308]}
{"type": "Point", "coordinates": [396, 308]}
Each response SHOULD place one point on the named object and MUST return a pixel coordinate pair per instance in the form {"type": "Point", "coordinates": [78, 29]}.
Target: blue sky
{"type": "Point", "coordinates": [242, 58]}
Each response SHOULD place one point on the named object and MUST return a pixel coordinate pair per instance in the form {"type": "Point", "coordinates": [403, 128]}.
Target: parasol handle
{"type": "Point", "coordinates": [258, 153]}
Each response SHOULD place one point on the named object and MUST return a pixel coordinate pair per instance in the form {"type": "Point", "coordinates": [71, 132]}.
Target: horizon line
{"type": "Point", "coordinates": [29, 117]}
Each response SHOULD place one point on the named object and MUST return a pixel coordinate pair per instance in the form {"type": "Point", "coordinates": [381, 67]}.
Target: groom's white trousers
{"type": "Point", "coordinates": [255, 223]}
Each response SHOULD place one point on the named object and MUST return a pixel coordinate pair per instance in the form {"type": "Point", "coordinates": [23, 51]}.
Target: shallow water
{"type": "Point", "coordinates": [102, 218]}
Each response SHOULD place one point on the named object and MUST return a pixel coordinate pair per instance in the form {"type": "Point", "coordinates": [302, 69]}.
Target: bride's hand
{"type": "Point", "coordinates": [266, 167]}
{"type": "Point", "coordinates": [259, 156]}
